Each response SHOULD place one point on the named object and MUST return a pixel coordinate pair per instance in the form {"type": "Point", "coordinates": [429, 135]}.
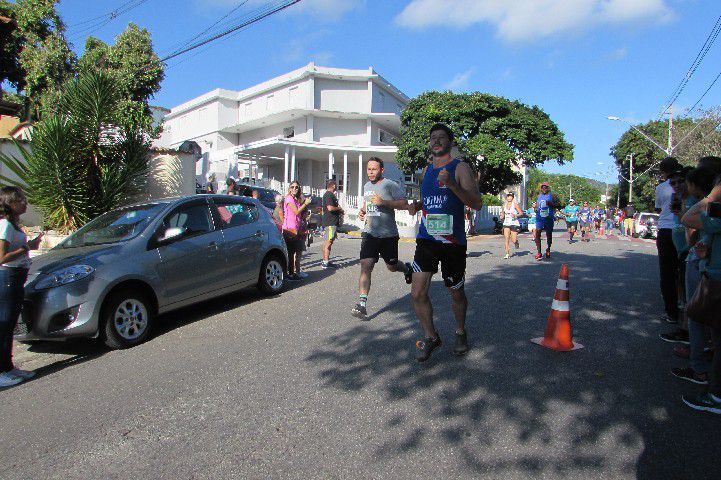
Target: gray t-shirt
{"type": "Point", "coordinates": [381, 220]}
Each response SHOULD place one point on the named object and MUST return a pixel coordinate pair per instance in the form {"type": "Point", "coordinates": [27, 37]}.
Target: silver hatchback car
{"type": "Point", "coordinates": [112, 277]}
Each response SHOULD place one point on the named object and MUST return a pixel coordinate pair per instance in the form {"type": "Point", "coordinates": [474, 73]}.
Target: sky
{"type": "Point", "coordinates": [579, 60]}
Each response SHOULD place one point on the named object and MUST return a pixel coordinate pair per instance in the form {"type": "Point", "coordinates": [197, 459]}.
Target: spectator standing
{"type": "Point", "coordinates": [15, 262]}
{"type": "Point", "coordinates": [293, 208]}
{"type": "Point", "coordinates": [332, 213]}
{"type": "Point", "coordinates": [628, 218]}
{"type": "Point", "coordinates": [278, 210]}
{"type": "Point", "coordinates": [610, 214]}
{"type": "Point", "coordinates": [667, 254]}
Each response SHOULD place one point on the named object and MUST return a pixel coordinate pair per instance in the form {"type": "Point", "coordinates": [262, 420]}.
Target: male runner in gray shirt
{"type": "Point", "coordinates": [380, 235]}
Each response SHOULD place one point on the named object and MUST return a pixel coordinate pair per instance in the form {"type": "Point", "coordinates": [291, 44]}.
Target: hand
{"type": "Point", "coordinates": [445, 178]}
{"type": "Point", "coordinates": [307, 201]}
{"type": "Point", "coordinates": [34, 244]}
{"type": "Point", "coordinates": [414, 207]}
{"type": "Point", "coordinates": [701, 250]}
{"type": "Point", "coordinates": [362, 214]}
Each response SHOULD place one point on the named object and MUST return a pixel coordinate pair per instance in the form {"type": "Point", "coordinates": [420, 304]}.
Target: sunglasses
{"type": "Point", "coordinates": [294, 186]}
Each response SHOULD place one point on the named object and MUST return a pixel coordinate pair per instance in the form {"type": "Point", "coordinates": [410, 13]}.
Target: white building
{"type": "Point", "coordinates": [308, 125]}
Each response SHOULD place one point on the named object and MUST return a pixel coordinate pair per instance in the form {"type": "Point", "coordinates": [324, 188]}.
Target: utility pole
{"type": "Point", "coordinates": [670, 129]}
{"type": "Point", "coordinates": [630, 181]}
{"type": "Point", "coordinates": [570, 192]}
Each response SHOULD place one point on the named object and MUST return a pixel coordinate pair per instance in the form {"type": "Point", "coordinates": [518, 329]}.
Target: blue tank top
{"type": "Point", "coordinates": [442, 215]}
{"type": "Point", "coordinates": [544, 201]}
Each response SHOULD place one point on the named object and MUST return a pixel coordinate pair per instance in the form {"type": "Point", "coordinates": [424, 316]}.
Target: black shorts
{"type": "Point", "coordinates": [573, 224]}
{"type": "Point", "coordinates": [294, 243]}
{"type": "Point", "coordinates": [375, 247]}
{"type": "Point", "coordinates": [452, 259]}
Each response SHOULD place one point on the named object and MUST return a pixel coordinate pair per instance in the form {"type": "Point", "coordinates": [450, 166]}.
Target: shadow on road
{"type": "Point", "coordinates": [609, 407]}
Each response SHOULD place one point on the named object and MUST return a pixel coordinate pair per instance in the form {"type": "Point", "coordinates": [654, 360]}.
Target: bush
{"type": "Point", "coordinates": [490, 200]}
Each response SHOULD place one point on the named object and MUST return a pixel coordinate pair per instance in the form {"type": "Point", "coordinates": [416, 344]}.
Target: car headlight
{"type": "Point", "coordinates": [64, 276]}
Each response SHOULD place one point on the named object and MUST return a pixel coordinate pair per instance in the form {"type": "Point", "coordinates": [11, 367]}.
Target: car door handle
{"type": "Point", "coordinates": [259, 233]}
{"type": "Point", "coordinates": [213, 245]}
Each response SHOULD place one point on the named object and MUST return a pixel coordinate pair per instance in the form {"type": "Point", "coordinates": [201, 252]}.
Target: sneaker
{"type": "Point", "coordinates": [302, 275]}
{"type": "Point", "coordinates": [707, 402]}
{"type": "Point", "coordinates": [548, 253]}
{"type": "Point", "coordinates": [506, 256]}
{"type": "Point", "coordinates": [691, 376]}
{"type": "Point", "coordinates": [517, 245]}
{"type": "Point", "coordinates": [426, 347]}
{"type": "Point", "coordinates": [570, 242]}
{"type": "Point", "coordinates": [678, 336]}
{"type": "Point", "coordinates": [539, 256]}
{"type": "Point", "coordinates": [408, 273]}
{"type": "Point", "coordinates": [24, 374]}
{"type": "Point", "coordinates": [327, 266]}
{"type": "Point", "coordinates": [292, 277]}
{"type": "Point", "coordinates": [359, 311]}
{"type": "Point", "coordinates": [7, 380]}
{"type": "Point", "coordinates": [461, 347]}
{"type": "Point", "coordinates": [681, 351]}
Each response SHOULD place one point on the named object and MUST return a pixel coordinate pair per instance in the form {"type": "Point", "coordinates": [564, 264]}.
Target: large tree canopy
{"type": "Point", "coordinates": [692, 139]}
{"type": "Point", "coordinates": [582, 189]}
{"type": "Point", "coordinates": [492, 132]}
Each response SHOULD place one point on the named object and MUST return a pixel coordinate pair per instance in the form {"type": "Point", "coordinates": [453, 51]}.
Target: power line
{"type": "Point", "coordinates": [107, 18]}
{"type": "Point", "coordinates": [704, 93]}
{"type": "Point", "coordinates": [710, 39]}
{"type": "Point", "coordinates": [272, 8]}
{"type": "Point", "coordinates": [100, 17]}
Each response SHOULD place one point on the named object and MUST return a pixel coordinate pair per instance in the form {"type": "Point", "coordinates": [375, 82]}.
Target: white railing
{"type": "Point", "coordinates": [484, 216]}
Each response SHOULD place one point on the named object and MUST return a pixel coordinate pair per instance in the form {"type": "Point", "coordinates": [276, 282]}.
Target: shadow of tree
{"type": "Point", "coordinates": [511, 408]}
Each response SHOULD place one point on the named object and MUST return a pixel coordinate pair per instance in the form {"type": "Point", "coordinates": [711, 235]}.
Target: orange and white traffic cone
{"type": "Point", "coordinates": [558, 335]}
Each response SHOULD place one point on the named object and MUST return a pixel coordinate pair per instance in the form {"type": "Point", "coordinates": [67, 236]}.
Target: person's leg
{"type": "Point", "coordinates": [422, 302]}
{"type": "Point", "coordinates": [330, 234]}
{"type": "Point", "coordinates": [507, 239]}
{"type": "Point", "coordinates": [668, 269]}
{"type": "Point", "coordinates": [298, 253]}
{"type": "Point", "coordinates": [549, 239]}
{"type": "Point", "coordinates": [9, 313]}
{"type": "Point", "coordinates": [715, 374]}
{"type": "Point", "coordinates": [537, 239]}
{"type": "Point", "coordinates": [696, 331]}
{"type": "Point", "coordinates": [514, 237]}
{"type": "Point", "coordinates": [364, 284]}
{"type": "Point", "coordinates": [459, 304]}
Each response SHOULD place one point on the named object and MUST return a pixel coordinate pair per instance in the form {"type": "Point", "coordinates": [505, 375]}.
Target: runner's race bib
{"type": "Point", "coordinates": [371, 208]}
{"type": "Point", "coordinates": [439, 224]}
{"type": "Point", "coordinates": [544, 211]}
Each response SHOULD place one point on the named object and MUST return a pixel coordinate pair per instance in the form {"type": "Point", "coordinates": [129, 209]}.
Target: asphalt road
{"type": "Point", "coordinates": [294, 387]}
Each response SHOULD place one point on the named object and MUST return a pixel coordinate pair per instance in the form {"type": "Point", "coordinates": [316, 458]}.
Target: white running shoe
{"type": "Point", "coordinates": [24, 374]}
{"type": "Point", "coordinates": [7, 380]}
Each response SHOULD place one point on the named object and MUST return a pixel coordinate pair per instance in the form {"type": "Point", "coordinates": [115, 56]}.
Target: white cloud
{"type": "Point", "coordinates": [324, 9]}
{"type": "Point", "coordinates": [520, 20]}
{"type": "Point", "coordinates": [460, 80]}
{"type": "Point", "coordinates": [618, 54]}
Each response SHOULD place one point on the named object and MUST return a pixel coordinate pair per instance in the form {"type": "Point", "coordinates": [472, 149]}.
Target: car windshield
{"type": "Point", "coordinates": [112, 227]}
{"type": "Point", "coordinates": [267, 195]}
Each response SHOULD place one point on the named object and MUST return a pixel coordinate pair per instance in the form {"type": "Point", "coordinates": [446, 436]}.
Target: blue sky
{"type": "Point", "coordinates": [579, 60]}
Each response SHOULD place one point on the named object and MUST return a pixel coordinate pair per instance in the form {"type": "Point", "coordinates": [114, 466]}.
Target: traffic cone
{"type": "Point", "coordinates": [558, 335]}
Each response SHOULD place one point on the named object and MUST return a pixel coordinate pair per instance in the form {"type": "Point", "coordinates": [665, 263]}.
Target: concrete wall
{"type": "Point", "coordinates": [385, 102]}
{"type": "Point", "coordinates": [341, 95]}
{"type": "Point", "coordinates": [287, 97]}
{"type": "Point", "coordinates": [337, 131]}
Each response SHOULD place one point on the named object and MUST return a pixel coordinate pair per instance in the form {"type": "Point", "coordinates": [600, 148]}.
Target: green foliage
{"type": "Point", "coordinates": [83, 161]}
{"type": "Point", "coordinates": [693, 138]}
{"type": "Point", "coordinates": [492, 132]}
{"type": "Point", "coordinates": [582, 188]}
{"type": "Point", "coordinates": [490, 200]}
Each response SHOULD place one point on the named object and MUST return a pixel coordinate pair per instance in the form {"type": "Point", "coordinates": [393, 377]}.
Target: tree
{"type": "Point", "coordinates": [37, 60]}
{"type": "Point", "coordinates": [86, 159]}
{"type": "Point", "coordinates": [492, 133]}
{"type": "Point", "coordinates": [583, 189]}
{"type": "Point", "coordinates": [134, 66]}
{"type": "Point", "coordinates": [694, 138]}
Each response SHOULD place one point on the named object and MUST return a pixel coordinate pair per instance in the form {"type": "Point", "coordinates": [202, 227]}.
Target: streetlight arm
{"type": "Point", "coordinates": [667, 152]}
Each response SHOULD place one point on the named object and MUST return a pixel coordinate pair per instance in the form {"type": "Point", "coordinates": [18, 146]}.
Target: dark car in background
{"type": "Point", "coordinates": [267, 196]}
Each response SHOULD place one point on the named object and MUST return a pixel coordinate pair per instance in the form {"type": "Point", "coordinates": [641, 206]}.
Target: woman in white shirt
{"type": "Point", "coordinates": [14, 265]}
{"type": "Point", "coordinates": [510, 213]}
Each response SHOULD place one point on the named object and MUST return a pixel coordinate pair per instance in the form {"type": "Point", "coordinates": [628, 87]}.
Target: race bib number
{"type": "Point", "coordinates": [439, 224]}
{"type": "Point", "coordinates": [371, 208]}
{"type": "Point", "coordinates": [545, 212]}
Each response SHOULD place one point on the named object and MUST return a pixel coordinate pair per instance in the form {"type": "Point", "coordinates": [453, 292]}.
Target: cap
{"type": "Point", "coordinates": [546, 184]}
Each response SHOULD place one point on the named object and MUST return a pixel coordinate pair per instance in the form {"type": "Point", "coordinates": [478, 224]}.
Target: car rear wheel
{"type": "Point", "coordinates": [127, 319]}
{"type": "Point", "coordinates": [272, 275]}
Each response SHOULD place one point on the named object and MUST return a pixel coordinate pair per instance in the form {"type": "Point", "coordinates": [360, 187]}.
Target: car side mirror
{"type": "Point", "coordinates": [170, 235]}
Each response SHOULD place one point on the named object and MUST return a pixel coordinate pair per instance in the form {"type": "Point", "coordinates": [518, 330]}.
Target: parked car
{"type": "Point", "coordinates": [645, 225]}
{"type": "Point", "coordinates": [267, 196]}
{"type": "Point", "coordinates": [115, 275]}
{"type": "Point", "coordinates": [315, 220]}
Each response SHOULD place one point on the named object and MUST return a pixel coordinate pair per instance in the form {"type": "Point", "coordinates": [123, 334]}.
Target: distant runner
{"type": "Point", "coordinates": [448, 184]}
{"type": "Point", "coordinates": [380, 233]}
{"type": "Point", "coordinates": [585, 216]}
{"type": "Point", "coordinates": [546, 205]}
{"type": "Point", "coordinates": [531, 214]}
{"type": "Point", "coordinates": [510, 214]}
{"type": "Point", "coordinates": [571, 214]}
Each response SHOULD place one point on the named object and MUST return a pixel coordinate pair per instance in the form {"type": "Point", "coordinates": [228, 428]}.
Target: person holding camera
{"type": "Point", "coordinates": [667, 254]}
{"type": "Point", "coordinates": [15, 262]}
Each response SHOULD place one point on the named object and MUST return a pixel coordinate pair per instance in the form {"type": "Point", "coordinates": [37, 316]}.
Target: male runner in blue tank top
{"type": "Point", "coordinates": [547, 203]}
{"type": "Point", "coordinates": [448, 184]}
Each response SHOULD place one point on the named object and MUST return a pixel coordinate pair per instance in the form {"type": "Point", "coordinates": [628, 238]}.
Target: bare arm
{"type": "Point", "coordinates": [465, 187]}
{"type": "Point", "coordinates": [692, 218]}
{"type": "Point", "coordinates": [298, 210]}
{"type": "Point", "coordinates": [8, 256]}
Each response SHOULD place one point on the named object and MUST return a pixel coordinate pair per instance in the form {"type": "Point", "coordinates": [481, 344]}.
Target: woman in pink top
{"type": "Point", "coordinates": [292, 223]}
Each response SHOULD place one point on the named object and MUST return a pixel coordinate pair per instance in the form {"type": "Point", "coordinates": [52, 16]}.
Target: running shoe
{"type": "Point", "coordinates": [24, 374]}
{"type": "Point", "coordinates": [328, 266]}
{"type": "Point", "coordinates": [425, 347]}
{"type": "Point", "coordinates": [506, 256]}
{"type": "Point", "coordinates": [548, 253]}
{"type": "Point", "coordinates": [461, 347]}
{"type": "Point", "coordinates": [293, 277]}
{"type": "Point", "coordinates": [681, 351]}
{"type": "Point", "coordinates": [690, 375]}
{"type": "Point", "coordinates": [708, 402]}
{"type": "Point", "coordinates": [7, 380]}
{"type": "Point", "coordinates": [570, 241]}
{"type": "Point", "coordinates": [408, 273]}
{"type": "Point", "coordinates": [678, 336]}
{"type": "Point", "coordinates": [539, 256]}
{"type": "Point", "coordinates": [359, 311]}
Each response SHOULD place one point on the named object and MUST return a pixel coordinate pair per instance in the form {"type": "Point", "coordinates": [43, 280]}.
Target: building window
{"type": "Point", "coordinates": [409, 178]}
{"type": "Point", "coordinates": [385, 137]}
{"type": "Point", "coordinates": [269, 102]}
{"type": "Point", "coordinates": [289, 132]}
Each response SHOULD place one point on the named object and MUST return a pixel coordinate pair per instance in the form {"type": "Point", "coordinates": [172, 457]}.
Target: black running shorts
{"type": "Point", "coordinates": [375, 247]}
{"type": "Point", "coordinates": [573, 224]}
{"type": "Point", "coordinates": [451, 257]}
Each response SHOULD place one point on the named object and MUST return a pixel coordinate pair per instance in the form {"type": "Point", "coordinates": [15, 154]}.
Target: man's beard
{"type": "Point", "coordinates": [441, 153]}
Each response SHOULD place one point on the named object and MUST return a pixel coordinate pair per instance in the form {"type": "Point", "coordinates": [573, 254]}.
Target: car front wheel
{"type": "Point", "coordinates": [127, 319]}
{"type": "Point", "coordinates": [272, 275]}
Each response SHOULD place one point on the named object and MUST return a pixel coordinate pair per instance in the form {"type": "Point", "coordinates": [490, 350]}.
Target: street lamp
{"type": "Point", "coordinates": [668, 151]}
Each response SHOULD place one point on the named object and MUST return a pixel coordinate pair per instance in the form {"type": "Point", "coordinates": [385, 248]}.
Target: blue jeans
{"type": "Point", "coordinates": [696, 331]}
{"type": "Point", "coordinates": [609, 226]}
{"type": "Point", "coordinates": [12, 292]}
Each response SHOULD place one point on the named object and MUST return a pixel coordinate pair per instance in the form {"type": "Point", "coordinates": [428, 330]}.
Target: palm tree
{"type": "Point", "coordinates": [85, 160]}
